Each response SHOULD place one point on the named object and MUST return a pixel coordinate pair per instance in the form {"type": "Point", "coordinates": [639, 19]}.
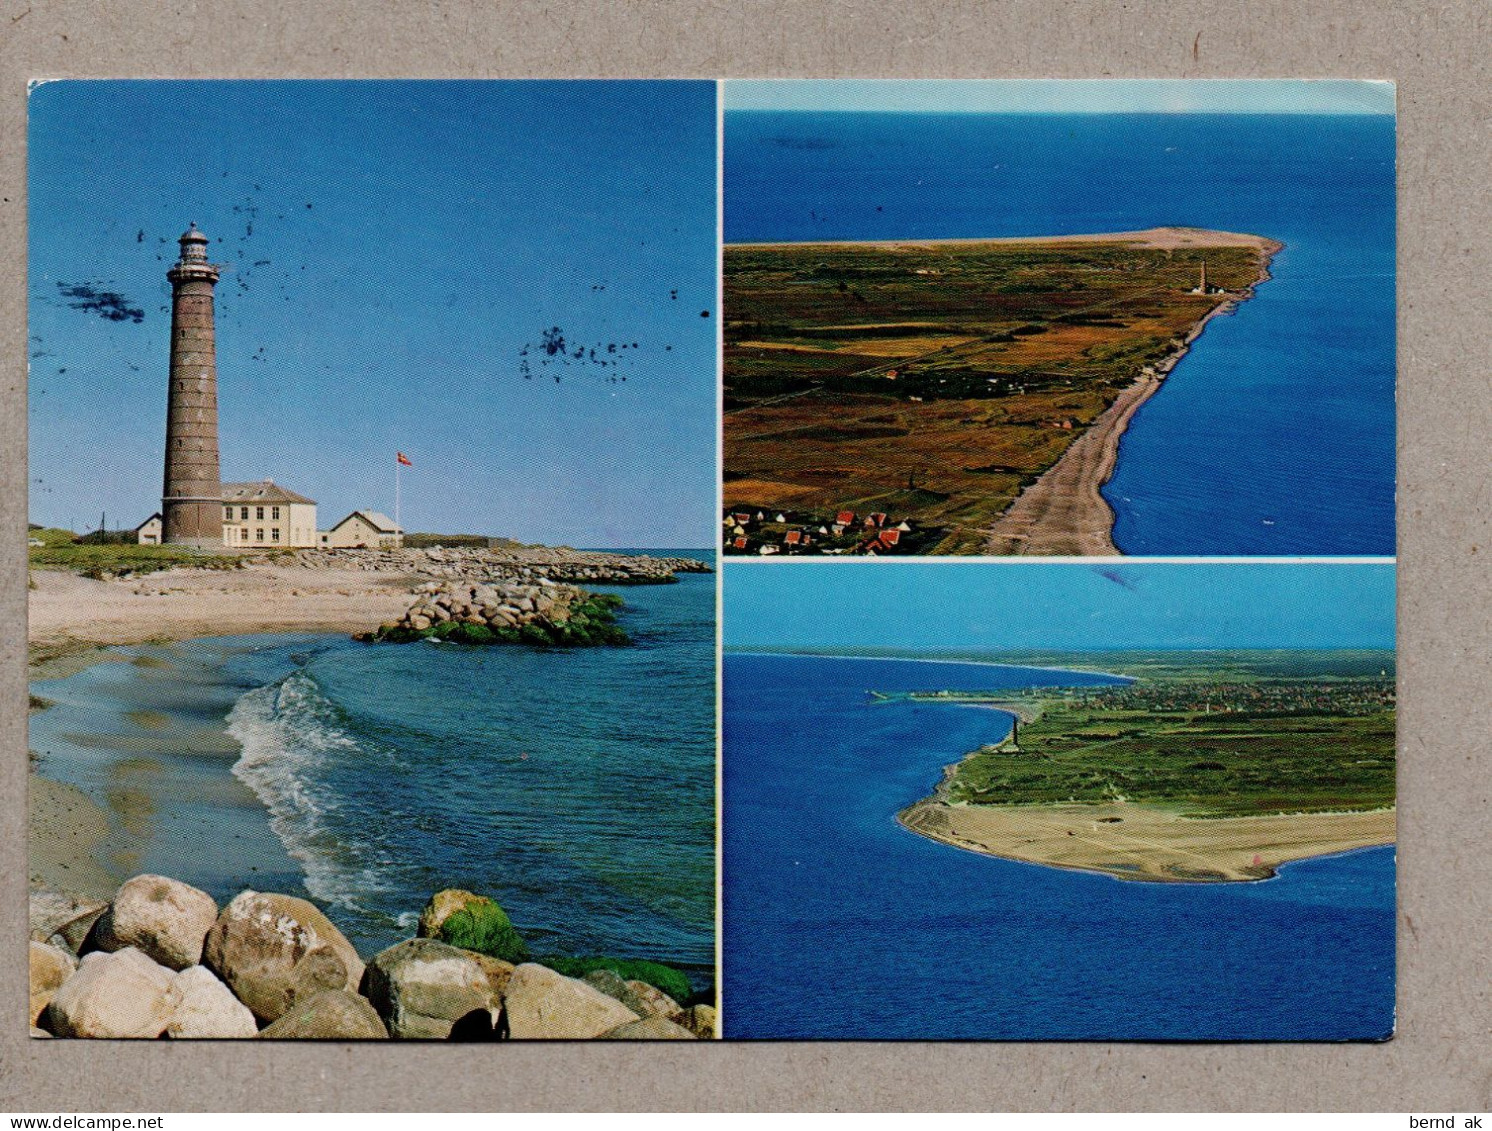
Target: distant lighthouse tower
{"type": "Point", "coordinates": [192, 500]}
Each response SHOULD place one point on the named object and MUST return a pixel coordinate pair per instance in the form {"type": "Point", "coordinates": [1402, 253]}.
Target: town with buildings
{"type": "Point", "coordinates": [876, 534]}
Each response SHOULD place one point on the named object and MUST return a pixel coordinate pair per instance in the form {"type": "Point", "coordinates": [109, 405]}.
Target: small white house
{"type": "Point", "coordinates": [149, 532]}
{"type": "Point", "coordinates": [363, 530]}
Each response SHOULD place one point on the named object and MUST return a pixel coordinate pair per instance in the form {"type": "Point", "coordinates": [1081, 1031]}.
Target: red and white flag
{"type": "Point", "coordinates": [403, 459]}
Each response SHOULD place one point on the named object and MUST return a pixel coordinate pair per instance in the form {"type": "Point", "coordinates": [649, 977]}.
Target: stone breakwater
{"type": "Point", "coordinates": [543, 613]}
{"type": "Point", "coordinates": [521, 564]}
{"type": "Point", "coordinates": [161, 959]}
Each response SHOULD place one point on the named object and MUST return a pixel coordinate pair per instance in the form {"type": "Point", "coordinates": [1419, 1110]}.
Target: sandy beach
{"type": "Point", "coordinates": [1146, 842]}
{"type": "Point", "coordinates": [64, 827]}
{"type": "Point", "coordinates": [79, 844]}
{"type": "Point", "coordinates": [68, 613]}
{"type": "Point", "coordinates": [1063, 513]}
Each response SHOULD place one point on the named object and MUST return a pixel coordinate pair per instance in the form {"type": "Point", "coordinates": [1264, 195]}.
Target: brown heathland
{"type": "Point", "coordinates": [937, 381]}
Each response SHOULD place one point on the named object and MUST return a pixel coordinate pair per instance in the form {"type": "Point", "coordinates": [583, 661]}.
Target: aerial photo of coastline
{"type": "Point", "coordinates": [1148, 801]}
{"type": "Point", "coordinates": [334, 730]}
{"type": "Point", "coordinates": [1059, 318]}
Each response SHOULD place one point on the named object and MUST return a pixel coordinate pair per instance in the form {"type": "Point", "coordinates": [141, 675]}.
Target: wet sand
{"type": "Point", "coordinates": [1146, 842]}
{"type": "Point", "coordinates": [64, 830]}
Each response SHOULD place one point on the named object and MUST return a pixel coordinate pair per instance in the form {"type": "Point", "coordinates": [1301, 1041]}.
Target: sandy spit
{"type": "Point", "coordinates": [1147, 842]}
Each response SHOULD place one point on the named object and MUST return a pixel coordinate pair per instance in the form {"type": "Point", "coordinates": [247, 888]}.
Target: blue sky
{"type": "Point", "coordinates": [1020, 605]}
{"type": "Point", "coordinates": [393, 248]}
{"type": "Point", "coordinates": [1067, 96]}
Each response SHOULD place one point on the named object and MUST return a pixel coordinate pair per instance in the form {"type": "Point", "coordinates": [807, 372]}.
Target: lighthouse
{"type": "Point", "coordinates": [192, 498]}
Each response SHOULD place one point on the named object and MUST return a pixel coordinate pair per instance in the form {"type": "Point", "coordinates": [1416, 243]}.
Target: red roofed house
{"type": "Point", "coordinates": [890, 537]}
{"type": "Point", "coordinates": [845, 518]}
{"type": "Point", "coordinates": [793, 537]}
{"type": "Point", "coordinates": [739, 543]}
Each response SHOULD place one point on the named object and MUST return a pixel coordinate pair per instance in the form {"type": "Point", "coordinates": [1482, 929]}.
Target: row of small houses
{"type": "Point", "coordinates": [878, 534]}
{"type": "Point", "coordinates": [265, 515]}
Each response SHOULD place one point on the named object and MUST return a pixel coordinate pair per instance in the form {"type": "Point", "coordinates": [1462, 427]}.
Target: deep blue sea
{"type": "Point", "coordinates": [575, 787]}
{"type": "Point", "coordinates": [1275, 435]}
{"type": "Point", "coordinates": [839, 923]}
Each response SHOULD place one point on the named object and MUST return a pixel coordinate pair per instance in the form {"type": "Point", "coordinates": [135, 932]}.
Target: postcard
{"type": "Point", "coordinates": [384, 440]}
{"type": "Point", "coordinates": [334, 734]}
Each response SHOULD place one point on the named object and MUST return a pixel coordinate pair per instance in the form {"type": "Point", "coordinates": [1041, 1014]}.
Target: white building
{"type": "Point", "coordinates": [266, 515]}
{"type": "Point", "coordinates": [148, 533]}
{"type": "Point", "coordinates": [361, 530]}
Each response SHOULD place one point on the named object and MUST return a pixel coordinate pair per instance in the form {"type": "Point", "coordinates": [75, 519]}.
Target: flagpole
{"type": "Point", "coordinates": [398, 467]}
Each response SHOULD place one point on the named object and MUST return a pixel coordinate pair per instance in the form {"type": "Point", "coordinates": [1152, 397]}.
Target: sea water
{"type": "Point", "coordinates": [1275, 435]}
{"type": "Point", "coordinates": [839, 923]}
{"type": "Point", "coordinates": [576, 787]}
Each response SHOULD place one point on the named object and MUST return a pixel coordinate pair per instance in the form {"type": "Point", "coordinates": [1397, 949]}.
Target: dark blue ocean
{"type": "Point", "coordinates": [575, 787]}
{"type": "Point", "coordinates": [1275, 435]}
{"type": "Point", "coordinates": [839, 923]}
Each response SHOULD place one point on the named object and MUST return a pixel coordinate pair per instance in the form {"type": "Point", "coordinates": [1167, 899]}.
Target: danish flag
{"type": "Point", "coordinates": [404, 459]}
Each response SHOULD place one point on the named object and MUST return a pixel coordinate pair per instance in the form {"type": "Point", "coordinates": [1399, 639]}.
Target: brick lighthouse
{"type": "Point", "coordinates": [192, 499]}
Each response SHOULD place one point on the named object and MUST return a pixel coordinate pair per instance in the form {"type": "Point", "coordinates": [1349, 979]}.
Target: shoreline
{"type": "Point", "coordinates": [1064, 513]}
{"type": "Point", "coordinates": [125, 786]}
{"type": "Point", "coordinates": [72, 619]}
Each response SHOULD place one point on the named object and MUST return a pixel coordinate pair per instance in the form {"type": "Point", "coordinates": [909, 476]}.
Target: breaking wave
{"type": "Point", "coordinates": [295, 746]}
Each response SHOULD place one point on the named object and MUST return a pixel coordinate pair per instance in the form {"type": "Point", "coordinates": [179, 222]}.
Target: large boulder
{"type": "Point", "coordinates": [543, 1004]}
{"type": "Point", "coordinates": [50, 967]}
{"type": "Point", "coordinates": [332, 1015]}
{"type": "Point", "coordinates": [440, 907]}
{"type": "Point", "coordinates": [61, 919]}
{"type": "Point", "coordinates": [498, 972]}
{"type": "Point", "coordinates": [699, 1020]}
{"type": "Point", "coordinates": [610, 983]}
{"type": "Point", "coordinates": [655, 1002]}
{"type": "Point", "coordinates": [114, 994]}
{"type": "Point", "coordinates": [205, 1008]}
{"type": "Point", "coordinates": [273, 950]}
{"type": "Point", "coordinates": [165, 919]}
{"type": "Point", "coordinates": [648, 1029]}
{"type": "Point", "coordinates": [421, 987]}
{"type": "Point", "coordinates": [471, 922]}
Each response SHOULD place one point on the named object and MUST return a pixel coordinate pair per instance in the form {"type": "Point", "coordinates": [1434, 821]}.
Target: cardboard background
{"type": "Point", "coordinates": [1441, 1059]}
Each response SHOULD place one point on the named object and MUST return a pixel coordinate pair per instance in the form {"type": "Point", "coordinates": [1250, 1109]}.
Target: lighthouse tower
{"type": "Point", "coordinates": [192, 499]}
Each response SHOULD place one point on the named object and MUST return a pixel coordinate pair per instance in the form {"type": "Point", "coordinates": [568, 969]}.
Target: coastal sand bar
{"type": "Point", "coordinates": [1145, 841]}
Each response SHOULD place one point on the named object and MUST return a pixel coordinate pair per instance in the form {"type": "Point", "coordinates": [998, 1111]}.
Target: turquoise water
{"type": "Point", "coordinates": [577, 788]}
{"type": "Point", "coordinates": [1275, 435]}
{"type": "Point", "coordinates": [839, 923]}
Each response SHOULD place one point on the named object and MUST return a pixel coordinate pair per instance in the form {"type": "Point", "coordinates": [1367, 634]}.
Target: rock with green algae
{"type": "Point", "coordinates": [469, 921]}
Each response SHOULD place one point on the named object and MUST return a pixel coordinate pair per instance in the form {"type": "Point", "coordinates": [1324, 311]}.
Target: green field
{"type": "Point", "coordinates": [120, 559]}
{"type": "Point", "coordinates": [1253, 735]}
